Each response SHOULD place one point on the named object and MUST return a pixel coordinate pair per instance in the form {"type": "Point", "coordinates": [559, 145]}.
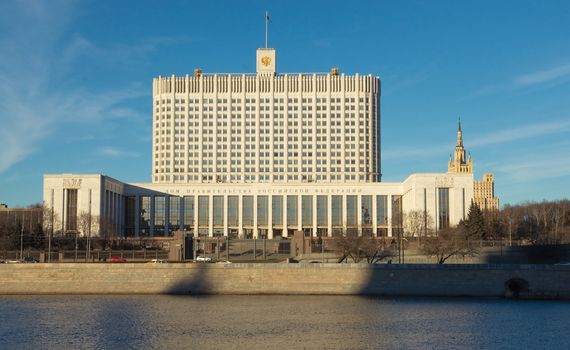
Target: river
{"type": "Point", "coordinates": [280, 322]}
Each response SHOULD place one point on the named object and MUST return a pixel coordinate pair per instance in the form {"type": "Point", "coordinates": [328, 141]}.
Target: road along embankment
{"type": "Point", "coordinates": [527, 281]}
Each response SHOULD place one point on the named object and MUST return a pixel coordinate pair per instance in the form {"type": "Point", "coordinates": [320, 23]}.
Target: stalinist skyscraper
{"type": "Point", "coordinates": [484, 190]}
{"type": "Point", "coordinates": [459, 163]}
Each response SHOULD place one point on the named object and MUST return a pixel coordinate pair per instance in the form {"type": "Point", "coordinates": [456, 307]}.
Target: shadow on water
{"type": "Point", "coordinates": [121, 320]}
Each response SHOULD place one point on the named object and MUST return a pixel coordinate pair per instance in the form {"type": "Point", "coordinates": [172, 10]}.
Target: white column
{"type": "Point", "coordinates": [196, 216]}
{"type": "Point", "coordinates": [299, 212]}
{"type": "Point", "coordinates": [315, 226]}
{"type": "Point", "coordinates": [344, 214]}
{"type": "Point", "coordinates": [329, 215]}
{"type": "Point", "coordinates": [240, 216]}
{"type": "Point", "coordinates": [270, 216]}
{"type": "Point", "coordinates": [285, 206]}
{"type": "Point", "coordinates": [255, 228]}
{"type": "Point", "coordinates": [374, 217]}
{"type": "Point", "coordinates": [389, 215]}
{"type": "Point", "coordinates": [225, 215]}
{"type": "Point", "coordinates": [210, 215]}
{"type": "Point", "coordinates": [359, 213]}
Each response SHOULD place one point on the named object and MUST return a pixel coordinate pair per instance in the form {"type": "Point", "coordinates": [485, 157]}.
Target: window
{"type": "Point", "coordinates": [336, 210]}
{"type": "Point", "coordinates": [174, 214]}
{"type": "Point", "coordinates": [277, 210]}
{"type": "Point", "coordinates": [130, 216]}
{"type": "Point", "coordinates": [382, 210]}
{"type": "Point", "coordinates": [262, 210]}
{"type": "Point", "coordinates": [351, 211]}
{"type": "Point", "coordinates": [322, 210]}
{"type": "Point", "coordinates": [159, 215]}
{"type": "Point", "coordinates": [307, 210]}
{"type": "Point", "coordinates": [218, 211]}
{"type": "Point", "coordinates": [247, 206]}
{"type": "Point", "coordinates": [188, 212]}
{"type": "Point", "coordinates": [71, 220]}
{"type": "Point", "coordinates": [366, 210]}
{"type": "Point", "coordinates": [203, 211]}
{"type": "Point", "coordinates": [233, 211]}
{"type": "Point", "coordinates": [443, 212]}
{"type": "Point", "coordinates": [292, 211]}
{"type": "Point", "coordinates": [144, 204]}
{"type": "Point", "coordinates": [397, 211]}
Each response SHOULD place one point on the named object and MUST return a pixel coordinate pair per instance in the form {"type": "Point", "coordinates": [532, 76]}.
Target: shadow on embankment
{"type": "Point", "coordinates": [435, 280]}
{"type": "Point", "coordinates": [531, 254]}
{"type": "Point", "coordinates": [196, 281]}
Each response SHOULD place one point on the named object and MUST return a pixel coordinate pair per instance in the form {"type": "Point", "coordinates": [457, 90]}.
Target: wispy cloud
{"type": "Point", "coordinates": [497, 137]}
{"type": "Point", "coordinates": [38, 67]}
{"type": "Point", "coordinates": [405, 80]}
{"type": "Point", "coordinates": [522, 132]}
{"type": "Point", "coordinates": [534, 167]}
{"type": "Point", "coordinates": [116, 152]}
{"type": "Point", "coordinates": [559, 73]}
{"type": "Point", "coordinates": [542, 78]}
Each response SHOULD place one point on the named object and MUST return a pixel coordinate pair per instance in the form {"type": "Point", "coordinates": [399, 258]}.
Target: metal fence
{"type": "Point", "coordinates": [222, 249]}
{"type": "Point", "coordinates": [85, 256]}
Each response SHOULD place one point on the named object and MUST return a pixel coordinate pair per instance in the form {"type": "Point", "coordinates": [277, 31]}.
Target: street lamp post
{"type": "Point", "coordinates": [22, 242]}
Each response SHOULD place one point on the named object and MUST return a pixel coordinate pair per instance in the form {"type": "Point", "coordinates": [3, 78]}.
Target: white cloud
{"type": "Point", "coordinates": [535, 167]}
{"type": "Point", "coordinates": [544, 76]}
{"type": "Point", "coordinates": [37, 68]}
{"type": "Point", "coordinates": [523, 132]}
{"type": "Point", "coordinates": [116, 152]}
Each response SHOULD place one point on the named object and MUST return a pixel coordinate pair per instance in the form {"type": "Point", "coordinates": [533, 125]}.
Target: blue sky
{"type": "Point", "coordinates": [75, 80]}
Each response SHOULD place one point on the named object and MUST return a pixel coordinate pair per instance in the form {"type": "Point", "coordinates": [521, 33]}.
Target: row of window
{"type": "Point", "coordinates": [264, 100]}
{"type": "Point", "coordinates": [179, 212]}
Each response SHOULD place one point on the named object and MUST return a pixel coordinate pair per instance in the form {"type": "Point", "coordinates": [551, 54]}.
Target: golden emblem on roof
{"type": "Point", "coordinates": [266, 61]}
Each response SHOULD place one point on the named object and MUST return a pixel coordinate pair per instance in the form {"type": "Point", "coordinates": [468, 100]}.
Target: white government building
{"type": "Point", "coordinates": [261, 156]}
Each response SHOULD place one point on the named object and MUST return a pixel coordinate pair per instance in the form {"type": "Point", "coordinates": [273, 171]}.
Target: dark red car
{"type": "Point", "coordinates": [118, 259]}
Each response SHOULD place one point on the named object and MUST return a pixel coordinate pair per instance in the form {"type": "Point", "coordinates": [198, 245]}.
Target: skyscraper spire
{"type": "Point", "coordinates": [459, 134]}
{"type": "Point", "coordinates": [460, 163]}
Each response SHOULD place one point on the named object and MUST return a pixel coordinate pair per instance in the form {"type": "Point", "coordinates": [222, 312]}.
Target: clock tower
{"type": "Point", "coordinates": [265, 62]}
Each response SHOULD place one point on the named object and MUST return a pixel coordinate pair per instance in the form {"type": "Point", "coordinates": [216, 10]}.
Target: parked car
{"type": "Point", "coordinates": [118, 259]}
{"type": "Point", "coordinates": [30, 260]}
{"type": "Point", "coordinates": [203, 259]}
{"type": "Point", "coordinates": [157, 261]}
{"type": "Point", "coordinates": [14, 261]}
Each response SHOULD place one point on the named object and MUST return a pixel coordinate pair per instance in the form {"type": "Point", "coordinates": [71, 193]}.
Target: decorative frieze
{"type": "Point", "coordinates": [444, 181]}
{"type": "Point", "coordinates": [71, 183]}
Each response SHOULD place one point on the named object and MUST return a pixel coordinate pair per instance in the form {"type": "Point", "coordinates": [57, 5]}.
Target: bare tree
{"type": "Point", "coordinates": [359, 248]}
{"type": "Point", "coordinates": [452, 241]}
{"type": "Point", "coordinates": [418, 223]}
{"type": "Point", "coordinates": [107, 230]}
{"type": "Point", "coordinates": [51, 225]}
{"type": "Point", "coordinates": [559, 211]}
{"type": "Point", "coordinates": [87, 223]}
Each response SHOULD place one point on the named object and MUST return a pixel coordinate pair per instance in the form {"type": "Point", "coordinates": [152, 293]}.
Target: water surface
{"type": "Point", "coordinates": [280, 322]}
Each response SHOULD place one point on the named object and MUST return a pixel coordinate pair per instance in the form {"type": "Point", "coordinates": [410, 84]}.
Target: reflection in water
{"type": "Point", "coordinates": [276, 322]}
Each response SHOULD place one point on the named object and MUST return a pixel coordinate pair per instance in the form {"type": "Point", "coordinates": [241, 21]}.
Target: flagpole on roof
{"type": "Point", "coordinates": [266, 27]}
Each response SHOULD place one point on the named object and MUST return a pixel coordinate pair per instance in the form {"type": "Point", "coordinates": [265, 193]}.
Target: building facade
{"type": "Point", "coordinates": [484, 193]}
{"type": "Point", "coordinates": [266, 127]}
{"type": "Point", "coordinates": [257, 210]}
{"type": "Point", "coordinates": [262, 156]}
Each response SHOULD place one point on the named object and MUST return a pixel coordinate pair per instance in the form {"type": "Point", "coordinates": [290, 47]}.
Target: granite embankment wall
{"type": "Point", "coordinates": [348, 279]}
